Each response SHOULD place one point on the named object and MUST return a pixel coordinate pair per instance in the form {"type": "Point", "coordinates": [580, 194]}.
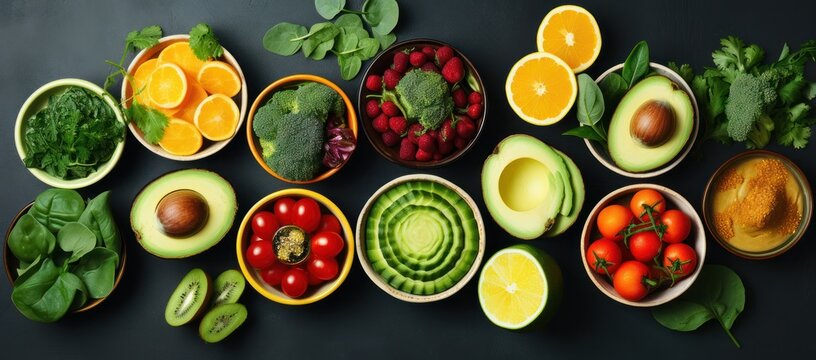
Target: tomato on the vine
{"type": "Point", "coordinates": [284, 209]}
{"type": "Point", "coordinates": [264, 224]}
{"type": "Point", "coordinates": [327, 244]}
{"type": "Point", "coordinates": [647, 197]}
{"type": "Point", "coordinates": [329, 222]}
{"type": "Point", "coordinates": [680, 259]}
{"type": "Point", "coordinates": [604, 256]}
{"type": "Point", "coordinates": [274, 274]}
{"type": "Point", "coordinates": [306, 215]}
{"type": "Point", "coordinates": [612, 220]}
{"type": "Point", "coordinates": [645, 246]}
{"type": "Point", "coordinates": [295, 282]}
{"type": "Point", "coordinates": [633, 280]}
{"type": "Point", "coordinates": [260, 254]}
{"type": "Point", "coordinates": [678, 226]}
{"type": "Point", "coordinates": [322, 268]}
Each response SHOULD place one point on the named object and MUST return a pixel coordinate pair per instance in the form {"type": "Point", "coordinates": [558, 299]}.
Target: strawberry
{"type": "Point", "coordinates": [373, 83]}
{"type": "Point", "coordinates": [438, 156]}
{"type": "Point", "coordinates": [390, 109]}
{"type": "Point", "coordinates": [443, 55]}
{"type": "Point", "coordinates": [446, 131]}
{"type": "Point", "coordinates": [418, 58]}
{"type": "Point", "coordinates": [429, 66]}
{"type": "Point", "coordinates": [390, 138]}
{"type": "Point", "coordinates": [475, 98]}
{"type": "Point", "coordinates": [372, 108]}
{"type": "Point", "coordinates": [398, 124]}
{"type": "Point", "coordinates": [429, 52]}
{"type": "Point", "coordinates": [407, 150]}
{"type": "Point", "coordinates": [400, 62]}
{"type": "Point", "coordinates": [474, 111]}
{"type": "Point", "coordinates": [460, 99]}
{"type": "Point", "coordinates": [391, 78]}
{"type": "Point", "coordinates": [380, 123]}
{"type": "Point", "coordinates": [427, 143]}
{"type": "Point", "coordinates": [445, 147]}
{"type": "Point", "coordinates": [460, 143]}
{"type": "Point", "coordinates": [453, 71]}
{"type": "Point", "coordinates": [465, 128]}
{"type": "Point", "coordinates": [414, 132]}
{"type": "Point", "coordinates": [422, 155]}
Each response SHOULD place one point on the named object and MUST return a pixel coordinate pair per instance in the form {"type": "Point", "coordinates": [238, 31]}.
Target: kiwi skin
{"type": "Point", "coordinates": [197, 307]}
{"type": "Point", "coordinates": [229, 286]}
{"type": "Point", "coordinates": [221, 321]}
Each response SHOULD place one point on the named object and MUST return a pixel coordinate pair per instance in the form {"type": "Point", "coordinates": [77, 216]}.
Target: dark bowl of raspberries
{"type": "Point", "coordinates": [422, 103]}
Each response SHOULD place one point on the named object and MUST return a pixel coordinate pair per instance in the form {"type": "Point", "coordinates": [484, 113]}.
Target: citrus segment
{"type": "Point", "coordinates": [138, 82]}
{"type": "Point", "coordinates": [195, 95]}
{"type": "Point", "coordinates": [217, 117]}
{"type": "Point", "coordinates": [180, 54]}
{"type": "Point", "coordinates": [571, 33]}
{"type": "Point", "coordinates": [217, 77]}
{"type": "Point", "coordinates": [181, 138]}
{"type": "Point", "coordinates": [167, 86]}
{"type": "Point", "coordinates": [541, 88]}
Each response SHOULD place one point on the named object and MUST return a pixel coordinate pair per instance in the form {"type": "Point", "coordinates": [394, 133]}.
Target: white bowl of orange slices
{"type": "Point", "coordinates": [205, 101]}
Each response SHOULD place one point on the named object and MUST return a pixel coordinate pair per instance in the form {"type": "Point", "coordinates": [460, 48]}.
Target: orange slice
{"type": "Point", "coordinates": [181, 138]}
{"type": "Point", "coordinates": [180, 54]}
{"type": "Point", "coordinates": [541, 88]}
{"type": "Point", "coordinates": [217, 77]}
{"type": "Point", "coordinates": [571, 33]}
{"type": "Point", "coordinates": [217, 117]}
{"type": "Point", "coordinates": [195, 95]}
{"type": "Point", "coordinates": [138, 82]}
{"type": "Point", "coordinates": [167, 86]}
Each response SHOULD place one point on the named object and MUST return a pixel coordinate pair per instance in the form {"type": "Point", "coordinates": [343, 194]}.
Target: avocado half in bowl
{"type": "Point", "coordinates": [652, 128]}
{"type": "Point", "coordinates": [420, 238]}
{"type": "Point", "coordinates": [183, 213]}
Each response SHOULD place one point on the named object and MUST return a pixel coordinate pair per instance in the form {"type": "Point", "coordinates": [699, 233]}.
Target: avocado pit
{"type": "Point", "coordinates": [291, 245]}
{"type": "Point", "coordinates": [653, 123]}
{"type": "Point", "coordinates": [182, 213]}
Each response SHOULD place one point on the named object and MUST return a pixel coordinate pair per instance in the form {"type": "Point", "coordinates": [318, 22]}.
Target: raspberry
{"type": "Point", "coordinates": [400, 62]}
{"type": "Point", "coordinates": [418, 58]}
{"type": "Point", "coordinates": [390, 109]}
{"type": "Point", "coordinates": [474, 111]}
{"type": "Point", "coordinates": [460, 99]}
{"type": "Point", "coordinates": [373, 83]}
{"type": "Point", "coordinates": [380, 123]}
{"type": "Point", "coordinates": [407, 150]}
{"type": "Point", "coordinates": [372, 108]}
{"type": "Point", "coordinates": [422, 155]}
{"type": "Point", "coordinates": [453, 71]}
{"type": "Point", "coordinates": [390, 138]}
{"type": "Point", "coordinates": [443, 54]}
{"type": "Point", "coordinates": [398, 124]}
{"type": "Point", "coordinates": [391, 78]}
{"type": "Point", "coordinates": [475, 98]}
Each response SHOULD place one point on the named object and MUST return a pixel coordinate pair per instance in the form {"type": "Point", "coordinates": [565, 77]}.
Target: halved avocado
{"type": "Point", "coordinates": [183, 213]}
{"type": "Point", "coordinates": [630, 153]}
{"type": "Point", "coordinates": [524, 186]}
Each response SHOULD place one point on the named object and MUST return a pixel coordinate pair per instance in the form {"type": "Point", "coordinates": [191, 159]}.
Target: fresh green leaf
{"type": "Point", "coordinates": [56, 207]}
{"type": "Point", "coordinates": [25, 267]}
{"type": "Point", "coordinates": [636, 64]}
{"type": "Point", "coordinates": [385, 40]}
{"type": "Point", "coordinates": [345, 42]}
{"type": "Point", "coordinates": [795, 135]}
{"type": "Point", "coordinates": [45, 295]}
{"type": "Point", "coordinates": [793, 91]}
{"type": "Point", "coordinates": [368, 48]}
{"type": "Point", "coordinates": [29, 240]}
{"type": "Point", "coordinates": [150, 121]}
{"type": "Point", "coordinates": [328, 9]}
{"type": "Point", "coordinates": [472, 82]}
{"type": "Point", "coordinates": [284, 38]}
{"type": "Point", "coordinates": [685, 71]}
{"type": "Point", "coordinates": [613, 87]}
{"type": "Point", "coordinates": [798, 112]}
{"type": "Point", "coordinates": [810, 91]}
{"type": "Point", "coordinates": [349, 66]}
{"type": "Point", "coordinates": [319, 33]}
{"type": "Point", "coordinates": [97, 269]}
{"type": "Point", "coordinates": [784, 53]}
{"type": "Point", "coordinates": [143, 39]}
{"type": "Point", "coordinates": [382, 15]}
{"type": "Point", "coordinates": [204, 44]}
{"type": "Point", "coordinates": [99, 219]}
{"type": "Point", "coordinates": [585, 132]}
{"type": "Point", "coordinates": [76, 239]}
{"type": "Point", "coordinates": [349, 21]}
{"type": "Point", "coordinates": [71, 281]}
{"type": "Point", "coordinates": [590, 101]}
{"type": "Point", "coordinates": [730, 57]}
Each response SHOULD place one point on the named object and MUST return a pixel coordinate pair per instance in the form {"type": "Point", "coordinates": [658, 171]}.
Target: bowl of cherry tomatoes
{"type": "Point", "coordinates": [643, 245]}
{"type": "Point", "coordinates": [295, 247]}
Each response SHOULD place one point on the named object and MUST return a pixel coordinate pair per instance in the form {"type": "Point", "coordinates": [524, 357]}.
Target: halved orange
{"type": "Point", "coordinates": [571, 33]}
{"type": "Point", "coordinates": [167, 86]}
{"type": "Point", "coordinates": [138, 82]}
{"type": "Point", "coordinates": [180, 54]}
{"type": "Point", "coordinates": [541, 88]}
{"type": "Point", "coordinates": [195, 95]}
{"type": "Point", "coordinates": [217, 117]}
{"type": "Point", "coordinates": [218, 77]}
{"type": "Point", "coordinates": [181, 138]}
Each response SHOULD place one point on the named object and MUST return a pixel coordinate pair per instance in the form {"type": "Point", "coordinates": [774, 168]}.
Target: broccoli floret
{"type": "Point", "coordinates": [296, 153]}
{"type": "Point", "coordinates": [425, 97]}
{"type": "Point", "coordinates": [285, 101]}
{"type": "Point", "coordinates": [749, 99]}
{"type": "Point", "coordinates": [267, 148]}
{"type": "Point", "coordinates": [319, 100]}
{"type": "Point", "coordinates": [266, 118]}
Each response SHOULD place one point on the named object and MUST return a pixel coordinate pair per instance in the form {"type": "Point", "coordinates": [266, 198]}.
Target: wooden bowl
{"type": "Point", "coordinates": [375, 277]}
{"type": "Point", "coordinates": [209, 147]}
{"type": "Point", "coordinates": [254, 143]}
{"type": "Point", "coordinates": [696, 240]}
{"type": "Point", "coordinates": [378, 66]}
{"type": "Point", "coordinates": [313, 294]}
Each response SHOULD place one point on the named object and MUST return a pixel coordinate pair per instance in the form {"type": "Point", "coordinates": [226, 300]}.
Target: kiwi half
{"type": "Point", "coordinates": [221, 321]}
{"type": "Point", "coordinates": [228, 287]}
{"type": "Point", "coordinates": [189, 299]}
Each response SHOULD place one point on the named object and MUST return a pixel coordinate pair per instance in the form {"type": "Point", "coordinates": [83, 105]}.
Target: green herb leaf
{"type": "Point", "coordinates": [585, 132]}
{"type": "Point", "coordinates": [143, 39]}
{"type": "Point", "coordinates": [636, 64]}
{"type": "Point", "coordinates": [385, 40]}
{"type": "Point", "coordinates": [382, 15]}
{"type": "Point", "coordinates": [328, 9]}
{"type": "Point", "coordinates": [204, 44]}
{"type": "Point", "coordinates": [150, 121]}
{"type": "Point", "coordinates": [793, 91]}
{"type": "Point", "coordinates": [284, 39]}
{"type": "Point", "coordinates": [795, 135]}
{"type": "Point", "coordinates": [613, 87]}
{"type": "Point", "coordinates": [349, 66]}
{"type": "Point", "coordinates": [590, 101]}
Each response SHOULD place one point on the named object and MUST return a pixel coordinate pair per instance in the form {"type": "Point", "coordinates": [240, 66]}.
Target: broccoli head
{"type": "Point", "coordinates": [424, 96]}
{"type": "Point", "coordinates": [265, 122]}
{"type": "Point", "coordinates": [296, 152]}
{"type": "Point", "coordinates": [750, 97]}
{"type": "Point", "coordinates": [319, 100]}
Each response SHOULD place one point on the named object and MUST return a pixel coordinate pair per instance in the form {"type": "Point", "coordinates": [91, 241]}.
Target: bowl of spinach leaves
{"type": "Point", "coordinates": [70, 133]}
{"type": "Point", "coordinates": [63, 255]}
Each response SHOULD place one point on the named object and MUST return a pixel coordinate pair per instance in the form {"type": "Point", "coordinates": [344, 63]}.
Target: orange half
{"type": "Point", "coordinates": [167, 86]}
{"type": "Point", "coordinates": [571, 33]}
{"type": "Point", "coordinates": [181, 138]}
{"type": "Point", "coordinates": [541, 88]}
{"type": "Point", "coordinates": [217, 117]}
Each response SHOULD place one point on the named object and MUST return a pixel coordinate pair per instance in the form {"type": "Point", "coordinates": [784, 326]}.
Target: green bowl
{"type": "Point", "coordinates": [37, 101]}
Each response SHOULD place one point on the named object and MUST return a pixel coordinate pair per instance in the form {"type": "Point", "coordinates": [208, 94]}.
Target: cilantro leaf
{"type": "Point", "coordinates": [150, 121]}
{"type": "Point", "coordinates": [144, 38]}
{"type": "Point", "coordinates": [795, 135]}
{"type": "Point", "coordinates": [203, 42]}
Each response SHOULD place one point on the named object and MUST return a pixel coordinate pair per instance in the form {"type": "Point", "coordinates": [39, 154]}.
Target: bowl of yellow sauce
{"type": "Point", "coordinates": [758, 204]}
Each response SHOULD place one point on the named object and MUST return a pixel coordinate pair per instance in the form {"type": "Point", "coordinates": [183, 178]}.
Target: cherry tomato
{"type": "Point", "coordinates": [327, 244]}
{"type": "Point", "coordinates": [612, 220]}
{"type": "Point", "coordinates": [306, 215]}
{"type": "Point", "coordinates": [648, 197]}
{"type": "Point", "coordinates": [313, 280]}
{"type": "Point", "coordinates": [322, 268]}
{"type": "Point", "coordinates": [284, 209]}
{"type": "Point", "coordinates": [256, 238]}
{"type": "Point", "coordinates": [294, 283]}
{"type": "Point", "coordinates": [678, 226]}
{"type": "Point", "coordinates": [604, 256]}
{"type": "Point", "coordinates": [329, 222]}
{"type": "Point", "coordinates": [264, 224]}
{"type": "Point", "coordinates": [274, 274]}
{"type": "Point", "coordinates": [633, 280]}
{"type": "Point", "coordinates": [645, 246]}
{"type": "Point", "coordinates": [260, 254]}
{"type": "Point", "coordinates": [680, 259]}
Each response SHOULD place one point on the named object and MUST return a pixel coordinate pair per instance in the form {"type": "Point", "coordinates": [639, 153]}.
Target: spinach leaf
{"type": "Point", "coordinates": [385, 40]}
{"type": "Point", "coordinates": [718, 294]}
{"type": "Point", "coordinates": [368, 48]}
{"type": "Point", "coordinates": [382, 15]}
{"type": "Point", "coordinates": [349, 21]}
{"type": "Point", "coordinates": [585, 132]}
{"type": "Point", "coordinates": [97, 269]}
{"type": "Point", "coordinates": [636, 64]}
{"type": "Point", "coordinates": [76, 239]}
{"type": "Point", "coordinates": [590, 101]}
{"type": "Point", "coordinates": [99, 219]}
{"type": "Point", "coordinates": [56, 207]}
{"type": "Point", "coordinates": [613, 87]}
{"type": "Point", "coordinates": [345, 42]}
{"type": "Point", "coordinates": [26, 266]}
{"type": "Point", "coordinates": [30, 240]}
{"type": "Point", "coordinates": [318, 35]}
{"type": "Point", "coordinates": [349, 66]}
{"type": "Point", "coordinates": [284, 38]}
{"type": "Point", "coordinates": [71, 281]}
{"type": "Point", "coordinates": [44, 296]}
{"type": "Point", "coordinates": [328, 9]}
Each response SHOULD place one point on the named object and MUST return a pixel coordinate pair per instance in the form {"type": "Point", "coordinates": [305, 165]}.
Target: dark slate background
{"type": "Point", "coordinates": [47, 40]}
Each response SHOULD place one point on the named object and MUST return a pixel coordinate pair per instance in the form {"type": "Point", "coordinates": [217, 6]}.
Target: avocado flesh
{"type": "Point", "coordinates": [215, 190]}
{"type": "Point", "coordinates": [523, 185]}
{"type": "Point", "coordinates": [629, 154]}
{"type": "Point", "coordinates": [562, 223]}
